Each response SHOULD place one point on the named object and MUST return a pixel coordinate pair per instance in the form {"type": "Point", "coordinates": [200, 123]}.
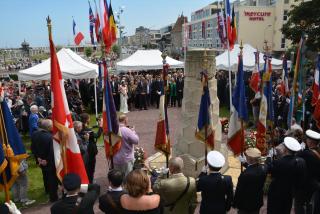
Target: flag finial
{"type": "Point", "coordinates": [49, 25]}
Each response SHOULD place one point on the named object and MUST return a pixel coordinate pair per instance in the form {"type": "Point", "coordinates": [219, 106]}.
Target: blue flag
{"type": "Point", "coordinates": [239, 94]}
{"type": "Point", "coordinates": [12, 150]}
{"type": "Point", "coordinates": [92, 22]}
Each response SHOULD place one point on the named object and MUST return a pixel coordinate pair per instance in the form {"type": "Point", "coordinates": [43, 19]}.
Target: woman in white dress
{"type": "Point", "coordinates": [123, 97]}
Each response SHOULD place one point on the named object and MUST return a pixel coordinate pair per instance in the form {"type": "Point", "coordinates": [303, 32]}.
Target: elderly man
{"type": "Point", "coordinates": [33, 119]}
{"type": "Point", "coordinates": [249, 192]}
{"type": "Point", "coordinates": [287, 175]}
{"type": "Point", "coordinates": [42, 149]}
{"type": "Point", "coordinates": [311, 156]}
{"type": "Point", "coordinates": [216, 189]}
{"type": "Point", "coordinates": [83, 141]}
{"type": "Point", "coordinates": [177, 192]}
{"type": "Point", "coordinates": [124, 158]}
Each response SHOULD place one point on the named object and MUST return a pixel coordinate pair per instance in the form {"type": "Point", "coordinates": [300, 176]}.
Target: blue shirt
{"type": "Point", "coordinates": [33, 123]}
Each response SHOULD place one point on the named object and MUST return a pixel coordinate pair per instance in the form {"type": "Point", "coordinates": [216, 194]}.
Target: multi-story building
{"type": "Point", "coordinates": [142, 36]}
{"type": "Point", "coordinates": [176, 36]}
{"type": "Point", "coordinates": [256, 21]}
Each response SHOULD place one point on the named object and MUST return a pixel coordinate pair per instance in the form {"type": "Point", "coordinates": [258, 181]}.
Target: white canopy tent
{"type": "Point", "coordinates": [146, 60]}
{"type": "Point", "coordinates": [71, 64]}
{"type": "Point", "coordinates": [248, 59]}
{"type": "Point", "coordinates": [72, 67]}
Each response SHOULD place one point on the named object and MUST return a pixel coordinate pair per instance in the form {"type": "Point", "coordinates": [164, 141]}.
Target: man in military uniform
{"type": "Point", "coordinates": [287, 174]}
{"type": "Point", "coordinates": [249, 192]}
{"type": "Point", "coordinates": [311, 156]}
{"type": "Point", "coordinates": [216, 189]}
{"type": "Point", "coordinates": [79, 197]}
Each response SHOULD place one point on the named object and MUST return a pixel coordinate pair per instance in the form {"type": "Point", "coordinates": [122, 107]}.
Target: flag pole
{"type": "Point", "coordinates": [103, 59]}
{"type": "Point", "coordinates": [61, 135]}
{"type": "Point", "coordinates": [165, 88]}
{"type": "Point", "coordinates": [241, 120]}
{"type": "Point", "coordinates": [229, 66]}
{"type": "Point", "coordinates": [4, 146]}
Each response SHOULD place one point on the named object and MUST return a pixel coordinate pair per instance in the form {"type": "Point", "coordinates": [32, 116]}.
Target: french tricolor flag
{"type": "Point", "coordinates": [228, 22]}
{"type": "Point", "coordinates": [255, 77]}
{"type": "Point", "coordinates": [239, 112]}
{"type": "Point", "coordinates": [284, 84]}
{"type": "Point", "coordinates": [78, 37]}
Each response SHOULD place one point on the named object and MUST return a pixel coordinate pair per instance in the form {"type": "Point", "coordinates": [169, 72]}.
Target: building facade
{"type": "Point", "coordinates": [257, 21]}
{"type": "Point", "coordinates": [177, 36]}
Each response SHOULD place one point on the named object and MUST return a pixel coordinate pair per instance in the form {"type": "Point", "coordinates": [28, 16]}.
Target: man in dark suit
{"type": "Point", "coordinates": [115, 92]}
{"type": "Point", "coordinates": [179, 85]}
{"type": "Point", "coordinates": [110, 202]}
{"type": "Point", "coordinates": [287, 174]}
{"type": "Point", "coordinates": [216, 189]}
{"type": "Point", "coordinates": [311, 156]}
{"type": "Point", "coordinates": [42, 149]}
{"type": "Point", "coordinates": [78, 199]}
{"type": "Point", "coordinates": [158, 84]}
{"type": "Point", "coordinates": [142, 88]}
{"type": "Point", "coordinates": [249, 192]}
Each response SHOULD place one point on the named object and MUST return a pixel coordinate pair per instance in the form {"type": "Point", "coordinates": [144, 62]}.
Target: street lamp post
{"type": "Point", "coordinates": [264, 32]}
{"type": "Point", "coordinates": [121, 9]}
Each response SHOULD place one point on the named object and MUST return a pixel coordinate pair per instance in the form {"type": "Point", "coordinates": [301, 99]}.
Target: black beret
{"type": "Point", "coordinates": [71, 181]}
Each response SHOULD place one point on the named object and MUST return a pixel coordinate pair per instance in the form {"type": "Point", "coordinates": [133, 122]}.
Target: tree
{"type": "Point", "coordinates": [304, 18]}
{"type": "Point", "coordinates": [116, 49]}
{"type": "Point", "coordinates": [88, 51]}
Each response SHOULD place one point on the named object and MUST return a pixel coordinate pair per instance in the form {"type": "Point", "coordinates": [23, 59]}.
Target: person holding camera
{"type": "Point", "coordinates": [124, 158]}
{"type": "Point", "coordinates": [92, 145]}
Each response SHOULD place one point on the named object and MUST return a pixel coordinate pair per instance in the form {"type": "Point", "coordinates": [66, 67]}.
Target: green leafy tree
{"type": "Point", "coordinates": [304, 17]}
{"type": "Point", "coordinates": [88, 51]}
{"type": "Point", "coordinates": [116, 49]}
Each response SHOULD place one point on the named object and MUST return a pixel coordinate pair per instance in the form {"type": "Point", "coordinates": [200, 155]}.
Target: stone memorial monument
{"type": "Point", "coordinates": [187, 146]}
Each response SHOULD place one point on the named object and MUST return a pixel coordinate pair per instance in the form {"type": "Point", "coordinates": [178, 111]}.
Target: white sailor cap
{"type": "Point", "coordinates": [215, 159]}
{"type": "Point", "coordinates": [313, 135]}
{"type": "Point", "coordinates": [253, 152]}
{"type": "Point", "coordinates": [292, 144]}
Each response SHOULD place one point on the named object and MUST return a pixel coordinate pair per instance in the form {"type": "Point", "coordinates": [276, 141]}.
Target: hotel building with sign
{"type": "Point", "coordinates": [257, 21]}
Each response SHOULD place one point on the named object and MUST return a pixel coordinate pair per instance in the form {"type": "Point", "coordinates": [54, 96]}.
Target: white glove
{"type": "Point", "coordinates": [84, 188]}
{"type": "Point", "coordinates": [271, 153]}
{"type": "Point", "coordinates": [303, 146]}
{"type": "Point", "coordinates": [164, 171]}
{"type": "Point", "coordinates": [242, 159]}
{"type": "Point", "coordinates": [12, 208]}
{"type": "Point", "coordinates": [205, 169]}
{"type": "Point", "coordinates": [288, 100]}
{"type": "Point", "coordinates": [279, 117]}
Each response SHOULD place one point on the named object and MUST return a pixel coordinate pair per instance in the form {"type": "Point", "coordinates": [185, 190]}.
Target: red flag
{"type": "Point", "coordinates": [162, 141]}
{"type": "Point", "coordinates": [67, 154]}
{"type": "Point", "coordinates": [79, 37]}
{"type": "Point", "coordinates": [97, 23]}
{"type": "Point", "coordinates": [105, 27]}
{"type": "Point", "coordinates": [255, 77]}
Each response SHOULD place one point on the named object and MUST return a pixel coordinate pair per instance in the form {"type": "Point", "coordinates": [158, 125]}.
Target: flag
{"type": "Point", "coordinates": [162, 141]}
{"type": "Point", "coordinates": [97, 23]}
{"type": "Point", "coordinates": [222, 29]}
{"type": "Point", "coordinates": [92, 21]}
{"type": "Point", "coordinates": [255, 77]}
{"type": "Point", "coordinates": [203, 29]}
{"type": "Point", "coordinates": [190, 31]}
{"type": "Point", "coordinates": [205, 115]}
{"type": "Point", "coordinates": [78, 37]}
{"type": "Point", "coordinates": [315, 96]}
{"type": "Point", "coordinates": [113, 26]}
{"type": "Point", "coordinates": [284, 84]}
{"type": "Point", "coordinates": [316, 83]}
{"type": "Point", "coordinates": [109, 115]}
{"type": "Point", "coordinates": [266, 107]}
{"type": "Point", "coordinates": [294, 86]}
{"type": "Point", "coordinates": [239, 112]}
{"type": "Point", "coordinates": [66, 150]}
{"type": "Point", "coordinates": [228, 23]}
{"type": "Point", "coordinates": [104, 25]}
{"type": "Point", "coordinates": [12, 150]}
{"type": "Point", "coordinates": [233, 37]}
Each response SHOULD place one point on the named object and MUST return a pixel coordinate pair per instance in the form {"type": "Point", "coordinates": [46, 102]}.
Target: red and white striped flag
{"type": "Point", "coordinates": [104, 25]}
{"type": "Point", "coordinates": [66, 150]}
